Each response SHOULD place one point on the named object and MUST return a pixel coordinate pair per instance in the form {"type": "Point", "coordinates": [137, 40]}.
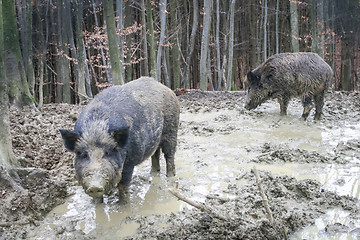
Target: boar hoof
{"type": "Point", "coordinates": [155, 169]}
{"type": "Point", "coordinates": [170, 173]}
{"type": "Point", "coordinates": [122, 189]}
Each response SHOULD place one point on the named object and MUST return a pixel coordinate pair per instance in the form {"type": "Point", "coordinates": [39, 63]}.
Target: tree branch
{"type": "Point", "coordinates": [195, 204]}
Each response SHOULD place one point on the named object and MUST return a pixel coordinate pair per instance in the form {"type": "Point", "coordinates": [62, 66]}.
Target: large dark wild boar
{"type": "Point", "coordinates": [287, 75]}
{"type": "Point", "coordinates": [121, 127]}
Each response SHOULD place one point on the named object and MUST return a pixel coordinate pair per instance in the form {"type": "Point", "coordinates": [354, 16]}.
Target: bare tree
{"type": "Point", "coordinates": [205, 44]}
{"type": "Point", "coordinates": [265, 28]}
{"type": "Point", "coordinates": [277, 27]}
{"type": "Point", "coordinates": [231, 45]}
{"type": "Point", "coordinates": [19, 93]}
{"type": "Point", "coordinates": [80, 60]}
{"type": "Point", "coordinates": [151, 39]}
{"type": "Point", "coordinates": [190, 47]}
{"type": "Point", "coordinates": [294, 26]}
{"type": "Point", "coordinates": [144, 35]}
{"type": "Point", "coordinates": [162, 14]}
{"type": "Point", "coordinates": [63, 92]}
{"type": "Point", "coordinates": [217, 39]}
{"type": "Point", "coordinates": [119, 26]}
{"type": "Point", "coordinates": [7, 157]}
{"type": "Point", "coordinates": [108, 74]}
{"type": "Point", "coordinates": [174, 50]}
{"type": "Point", "coordinates": [116, 67]}
{"type": "Point", "coordinates": [25, 10]}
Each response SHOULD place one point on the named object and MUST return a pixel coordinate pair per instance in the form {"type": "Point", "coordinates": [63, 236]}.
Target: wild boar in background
{"type": "Point", "coordinates": [121, 127]}
{"type": "Point", "coordinates": [288, 75]}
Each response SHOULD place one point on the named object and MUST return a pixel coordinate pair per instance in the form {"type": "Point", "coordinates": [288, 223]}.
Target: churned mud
{"type": "Point", "coordinates": [309, 172]}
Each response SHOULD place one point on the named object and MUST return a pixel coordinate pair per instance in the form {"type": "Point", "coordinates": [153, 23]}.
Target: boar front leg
{"type": "Point", "coordinates": [308, 105]}
{"type": "Point", "coordinates": [284, 102]}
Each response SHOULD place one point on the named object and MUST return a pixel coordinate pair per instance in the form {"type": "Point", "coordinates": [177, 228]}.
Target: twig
{"type": "Point", "coordinates": [221, 199]}
{"type": "Point", "coordinates": [195, 204]}
{"type": "Point", "coordinates": [266, 202]}
{"type": "Point", "coordinates": [263, 196]}
{"type": "Point", "coordinates": [9, 224]}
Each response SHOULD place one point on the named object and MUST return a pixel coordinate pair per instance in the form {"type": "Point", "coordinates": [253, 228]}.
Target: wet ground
{"type": "Point", "coordinates": [310, 173]}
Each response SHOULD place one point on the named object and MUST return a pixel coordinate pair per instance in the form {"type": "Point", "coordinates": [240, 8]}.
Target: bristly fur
{"type": "Point", "coordinates": [120, 128]}
{"type": "Point", "coordinates": [287, 75]}
{"type": "Point", "coordinates": [96, 134]}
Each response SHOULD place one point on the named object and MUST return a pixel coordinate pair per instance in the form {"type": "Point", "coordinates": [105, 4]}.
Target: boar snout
{"type": "Point", "coordinates": [95, 186]}
{"type": "Point", "coordinates": [95, 191]}
{"type": "Point", "coordinates": [247, 107]}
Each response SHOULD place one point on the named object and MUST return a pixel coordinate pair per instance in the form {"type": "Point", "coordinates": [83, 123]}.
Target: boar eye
{"type": "Point", "coordinates": [82, 155]}
{"type": "Point", "coordinates": [109, 152]}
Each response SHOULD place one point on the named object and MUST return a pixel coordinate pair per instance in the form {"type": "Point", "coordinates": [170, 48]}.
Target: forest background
{"type": "Point", "coordinates": [68, 50]}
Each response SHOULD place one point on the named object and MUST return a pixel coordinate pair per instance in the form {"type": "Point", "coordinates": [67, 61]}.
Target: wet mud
{"type": "Point", "coordinates": [309, 171]}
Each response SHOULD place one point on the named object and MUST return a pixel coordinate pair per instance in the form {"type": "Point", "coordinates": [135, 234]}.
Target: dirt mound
{"type": "Point", "coordinates": [272, 153]}
{"type": "Point", "coordinates": [45, 170]}
{"type": "Point", "coordinates": [294, 204]}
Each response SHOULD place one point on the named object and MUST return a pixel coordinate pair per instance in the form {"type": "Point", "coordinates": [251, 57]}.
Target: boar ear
{"type": "Point", "coordinates": [69, 138]}
{"type": "Point", "coordinates": [252, 77]}
{"type": "Point", "coordinates": [121, 136]}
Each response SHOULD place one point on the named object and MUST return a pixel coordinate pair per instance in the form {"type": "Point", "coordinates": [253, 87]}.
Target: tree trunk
{"type": "Point", "coordinates": [7, 157]}
{"type": "Point", "coordinates": [260, 32]}
{"type": "Point", "coordinates": [277, 27]}
{"type": "Point", "coordinates": [252, 16]}
{"type": "Point", "coordinates": [265, 29]}
{"type": "Point", "coordinates": [144, 34]}
{"type": "Point", "coordinates": [116, 68]}
{"type": "Point", "coordinates": [294, 26]}
{"type": "Point", "coordinates": [217, 39]}
{"type": "Point", "coordinates": [25, 19]}
{"type": "Point", "coordinates": [119, 25]}
{"type": "Point", "coordinates": [317, 16]}
{"type": "Point", "coordinates": [41, 46]}
{"type": "Point", "coordinates": [18, 88]}
{"type": "Point", "coordinates": [209, 71]}
{"type": "Point", "coordinates": [175, 45]}
{"type": "Point", "coordinates": [162, 14]}
{"type": "Point", "coordinates": [151, 39]}
{"type": "Point", "coordinates": [166, 72]}
{"type": "Point", "coordinates": [128, 42]}
{"type": "Point", "coordinates": [231, 45]}
{"type": "Point", "coordinates": [63, 88]}
{"type": "Point", "coordinates": [80, 60]}
{"type": "Point", "coordinates": [346, 65]}
{"type": "Point", "coordinates": [190, 49]}
{"type": "Point", "coordinates": [74, 55]}
{"type": "Point", "coordinates": [107, 71]}
{"type": "Point", "coordinates": [205, 44]}
{"type": "Point", "coordinates": [314, 42]}
{"type": "Point", "coordinates": [87, 75]}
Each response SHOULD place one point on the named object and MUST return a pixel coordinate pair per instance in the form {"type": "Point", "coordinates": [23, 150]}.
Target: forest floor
{"type": "Point", "coordinates": [309, 172]}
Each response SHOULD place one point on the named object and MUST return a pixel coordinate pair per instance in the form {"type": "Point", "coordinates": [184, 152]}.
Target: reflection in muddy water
{"type": "Point", "coordinates": [214, 148]}
{"type": "Point", "coordinates": [335, 224]}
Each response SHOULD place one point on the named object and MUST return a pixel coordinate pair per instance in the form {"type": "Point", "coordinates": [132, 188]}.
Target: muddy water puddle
{"type": "Point", "coordinates": [214, 148]}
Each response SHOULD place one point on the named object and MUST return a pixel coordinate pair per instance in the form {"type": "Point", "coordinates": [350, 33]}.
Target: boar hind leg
{"type": "Point", "coordinates": [155, 165]}
{"type": "Point", "coordinates": [308, 105]}
{"type": "Point", "coordinates": [169, 148]}
{"type": "Point", "coordinates": [319, 104]}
